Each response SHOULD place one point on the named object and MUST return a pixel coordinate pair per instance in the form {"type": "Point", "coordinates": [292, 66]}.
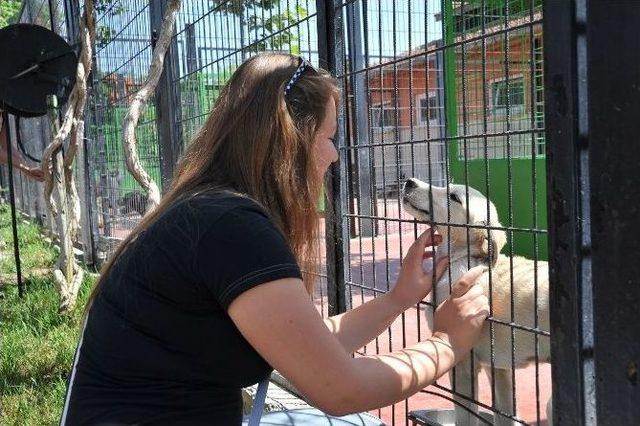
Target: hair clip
{"type": "Point", "coordinates": [304, 65]}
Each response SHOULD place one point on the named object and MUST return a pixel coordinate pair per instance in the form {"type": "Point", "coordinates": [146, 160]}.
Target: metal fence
{"type": "Point", "coordinates": [122, 57]}
{"type": "Point", "coordinates": [443, 91]}
{"type": "Point", "coordinates": [446, 91]}
{"type": "Point", "coordinates": [434, 90]}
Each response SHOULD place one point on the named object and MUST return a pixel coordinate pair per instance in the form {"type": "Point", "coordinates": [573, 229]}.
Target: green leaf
{"type": "Point", "coordinates": [9, 12]}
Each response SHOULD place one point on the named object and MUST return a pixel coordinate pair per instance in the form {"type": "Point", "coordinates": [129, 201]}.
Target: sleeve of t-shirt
{"type": "Point", "coordinates": [242, 249]}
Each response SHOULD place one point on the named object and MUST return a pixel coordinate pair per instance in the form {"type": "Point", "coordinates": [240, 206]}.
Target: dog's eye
{"type": "Point", "coordinates": [455, 198]}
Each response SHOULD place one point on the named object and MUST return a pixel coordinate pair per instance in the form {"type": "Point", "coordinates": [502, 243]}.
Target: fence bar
{"type": "Point", "coordinates": [12, 201]}
{"type": "Point", "coordinates": [167, 100]}
{"type": "Point", "coordinates": [613, 129]}
{"type": "Point", "coordinates": [330, 42]}
{"type": "Point", "coordinates": [360, 128]}
{"type": "Point", "coordinates": [72, 13]}
{"type": "Point", "coordinates": [566, 144]}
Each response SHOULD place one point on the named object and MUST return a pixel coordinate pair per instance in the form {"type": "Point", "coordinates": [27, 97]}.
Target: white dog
{"type": "Point", "coordinates": [473, 245]}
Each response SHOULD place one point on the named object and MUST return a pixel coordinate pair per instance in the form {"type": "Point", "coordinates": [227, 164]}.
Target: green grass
{"type": "Point", "coordinates": [35, 252]}
{"type": "Point", "coordinates": [36, 343]}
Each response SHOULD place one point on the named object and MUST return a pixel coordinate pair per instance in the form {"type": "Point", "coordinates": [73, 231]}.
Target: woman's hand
{"type": "Point", "coordinates": [458, 320]}
{"type": "Point", "coordinates": [414, 283]}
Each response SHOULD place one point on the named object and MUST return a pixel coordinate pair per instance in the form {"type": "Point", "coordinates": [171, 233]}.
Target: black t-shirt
{"type": "Point", "coordinates": [158, 346]}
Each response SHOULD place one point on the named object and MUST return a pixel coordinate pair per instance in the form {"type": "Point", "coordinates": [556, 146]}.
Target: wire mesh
{"type": "Point", "coordinates": [122, 57]}
{"type": "Point", "coordinates": [445, 91]}
{"type": "Point", "coordinates": [448, 92]}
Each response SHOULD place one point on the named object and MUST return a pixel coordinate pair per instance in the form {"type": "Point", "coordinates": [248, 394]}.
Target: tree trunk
{"type": "Point", "coordinates": [60, 190]}
{"type": "Point", "coordinates": [139, 102]}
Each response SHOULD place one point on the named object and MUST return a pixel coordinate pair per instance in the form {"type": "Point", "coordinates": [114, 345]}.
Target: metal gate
{"type": "Point", "coordinates": [510, 97]}
{"type": "Point", "coordinates": [448, 92]}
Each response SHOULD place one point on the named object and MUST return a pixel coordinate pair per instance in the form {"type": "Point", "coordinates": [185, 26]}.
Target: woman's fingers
{"type": "Point", "coordinates": [467, 281]}
{"type": "Point", "coordinates": [432, 238]}
{"type": "Point", "coordinates": [441, 267]}
{"type": "Point", "coordinates": [414, 281]}
{"type": "Point", "coordinates": [428, 238]}
{"type": "Point", "coordinates": [417, 252]}
{"type": "Point", "coordinates": [476, 303]}
{"type": "Point", "coordinates": [483, 306]}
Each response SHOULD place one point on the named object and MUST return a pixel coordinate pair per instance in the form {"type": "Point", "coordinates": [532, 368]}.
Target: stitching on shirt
{"type": "Point", "coordinates": [260, 271]}
{"type": "Point", "coordinates": [256, 274]}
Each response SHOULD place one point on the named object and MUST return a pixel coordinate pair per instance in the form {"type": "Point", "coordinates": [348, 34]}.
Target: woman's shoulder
{"type": "Point", "coordinates": [223, 201]}
{"type": "Point", "coordinates": [219, 206]}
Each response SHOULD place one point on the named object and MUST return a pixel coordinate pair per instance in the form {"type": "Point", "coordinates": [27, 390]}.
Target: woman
{"type": "Point", "coordinates": [206, 295]}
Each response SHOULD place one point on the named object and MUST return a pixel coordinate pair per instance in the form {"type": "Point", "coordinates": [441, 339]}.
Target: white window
{"type": "Point", "coordinates": [427, 108]}
{"type": "Point", "coordinates": [513, 95]}
{"type": "Point", "coordinates": [383, 115]}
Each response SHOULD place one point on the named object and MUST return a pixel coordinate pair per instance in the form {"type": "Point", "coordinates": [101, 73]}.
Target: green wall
{"type": "Point", "coordinates": [475, 172]}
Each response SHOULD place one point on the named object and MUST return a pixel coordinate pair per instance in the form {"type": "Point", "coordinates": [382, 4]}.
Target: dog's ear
{"type": "Point", "coordinates": [498, 240]}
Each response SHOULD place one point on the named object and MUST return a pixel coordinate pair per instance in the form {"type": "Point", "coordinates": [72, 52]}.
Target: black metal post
{"type": "Point", "coordinates": [2, 184]}
{"type": "Point", "coordinates": [357, 62]}
{"type": "Point", "coordinates": [167, 101]}
{"type": "Point", "coordinates": [12, 202]}
{"type": "Point", "coordinates": [52, 21]}
{"type": "Point", "coordinates": [563, 143]}
{"type": "Point", "coordinates": [592, 105]}
{"type": "Point", "coordinates": [191, 49]}
{"type": "Point", "coordinates": [613, 84]}
{"type": "Point", "coordinates": [329, 42]}
{"type": "Point", "coordinates": [191, 101]}
{"type": "Point", "coordinates": [72, 13]}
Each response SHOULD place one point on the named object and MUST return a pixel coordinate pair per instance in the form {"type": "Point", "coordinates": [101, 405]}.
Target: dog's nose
{"type": "Point", "coordinates": [410, 184]}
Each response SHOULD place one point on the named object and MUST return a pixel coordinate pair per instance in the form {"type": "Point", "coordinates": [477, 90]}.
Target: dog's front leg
{"type": "Point", "coordinates": [503, 396]}
{"type": "Point", "coordinates": [462, 381]}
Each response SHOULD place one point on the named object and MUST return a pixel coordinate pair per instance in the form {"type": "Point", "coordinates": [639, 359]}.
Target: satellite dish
{"type": "Point", "coordinates": [34, 63]}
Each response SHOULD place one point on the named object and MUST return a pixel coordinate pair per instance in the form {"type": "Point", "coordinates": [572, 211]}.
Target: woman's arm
{"type": "Point", "coordinates": [359, 326]}
{"type": "Point", "coordinates": [282, 324]}
{"type": "Point", "coordinates": [16, 159]}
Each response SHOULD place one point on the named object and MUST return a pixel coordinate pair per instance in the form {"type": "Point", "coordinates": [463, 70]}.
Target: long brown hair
{"type": "Point", "coordinates": [259, 144]}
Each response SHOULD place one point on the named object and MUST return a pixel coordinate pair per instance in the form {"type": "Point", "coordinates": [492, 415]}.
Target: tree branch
{"type": "Point", "coordinates": [139, 102]}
